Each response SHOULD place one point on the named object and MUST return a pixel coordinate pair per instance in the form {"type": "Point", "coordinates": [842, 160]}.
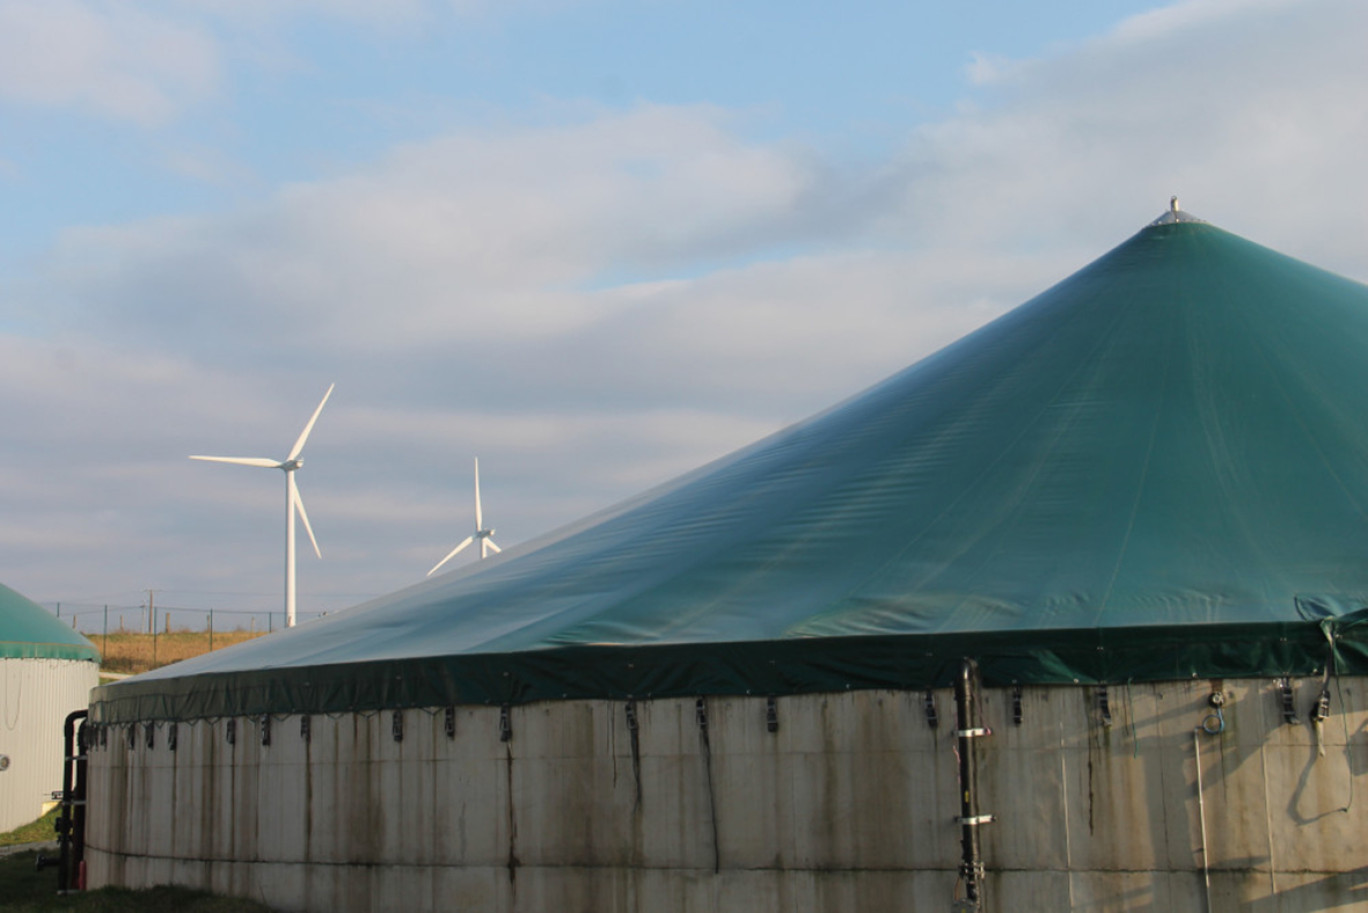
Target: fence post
{"type": "Point", "coordinates": [211, 630]}
{"type": "Point", "coordinates": [106, 630]}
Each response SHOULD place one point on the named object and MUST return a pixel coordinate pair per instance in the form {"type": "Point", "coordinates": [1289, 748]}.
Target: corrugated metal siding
{"type": "Point", "coordinates": [35, 697]}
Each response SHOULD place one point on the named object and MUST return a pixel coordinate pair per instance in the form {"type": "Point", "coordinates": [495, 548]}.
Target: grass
{"type": "Point", "coordinates": [35, 832]}
{"type": "Point", "coordinates": [23, 889]}
{"type": "Point", "coordinates": [127, 653]}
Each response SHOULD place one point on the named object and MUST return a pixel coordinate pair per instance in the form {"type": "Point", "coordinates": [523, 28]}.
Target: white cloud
{"type": "Point", "coordinates": [147, 63]}
{"type": "Point", "coordinates": [209, 166]}
{"type": "Point", "coordinates": [593, 307]}
{"type": "Point", "coordinates": [481, 236]}
{"type": "Point", "coordinates": [258, 12]}
{"type": "Point", "coordinates": [111, 59]}
{"type": "Point", "coordinates": [1250, 111]}
{"type": "Point", "coordinates": [1206, 17]}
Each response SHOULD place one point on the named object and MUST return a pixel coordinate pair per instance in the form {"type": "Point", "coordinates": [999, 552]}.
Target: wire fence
{"type": "Point", "coordinates": [104, 620]}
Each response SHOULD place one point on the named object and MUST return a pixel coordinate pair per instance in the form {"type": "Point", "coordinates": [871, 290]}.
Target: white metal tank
{"type": "Point", "coordinates": [46, 671]}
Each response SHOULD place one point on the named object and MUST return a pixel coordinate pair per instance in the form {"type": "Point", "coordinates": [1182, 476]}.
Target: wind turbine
{"type": "Point", "coordinates": [482, 535]}
{"type": "Point", "coordinates": [293, 503]}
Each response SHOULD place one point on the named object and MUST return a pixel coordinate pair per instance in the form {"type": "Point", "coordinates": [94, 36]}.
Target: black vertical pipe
{"type": "Point", "coordinates": [79, 803]}
{"type": "Point", "coordinates": [971, 865]}
{"type": "Point", "coordinates": [71, 821]}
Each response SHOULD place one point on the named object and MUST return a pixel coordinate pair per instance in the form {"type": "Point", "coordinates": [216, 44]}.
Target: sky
{"type": "Point", "coordinates": [594, 243]}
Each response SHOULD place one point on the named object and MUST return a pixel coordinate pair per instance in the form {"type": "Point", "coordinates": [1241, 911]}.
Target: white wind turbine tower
{"type": "Point", "coordinates": [293, 503]}
{"type": "Point", "coordinates": [482, 535]}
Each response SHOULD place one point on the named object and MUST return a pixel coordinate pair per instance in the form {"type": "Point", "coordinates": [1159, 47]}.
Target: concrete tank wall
{"type": "Point", "coordinates": [849, 805]}
{"type": "Point", "coordinates": [35, 697]}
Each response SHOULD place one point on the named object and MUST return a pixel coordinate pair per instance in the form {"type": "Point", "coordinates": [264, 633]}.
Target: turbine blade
{"type": "Point", "coordinates": [298, 503]}
{"type": "Point", "coordinates": [241, 461]}
{"type": "Point", "coordinates": [464, 542]}
{"type": "Point", "coordinates": [479, 518]}
{"type": "Point", "coordinates": [304, 435]}
{"type": "Point", "coordinates": [493, 546]}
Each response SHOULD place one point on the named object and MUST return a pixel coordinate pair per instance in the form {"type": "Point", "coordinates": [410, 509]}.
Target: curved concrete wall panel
{"type": "Point", "coordinates": [850, 803]}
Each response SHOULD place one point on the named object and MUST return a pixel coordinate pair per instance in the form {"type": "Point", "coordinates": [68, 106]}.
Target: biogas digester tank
{"type": "Point", "coordinates": [1069, 614]}
{"type": "Point", "coordinates": [46, 672]}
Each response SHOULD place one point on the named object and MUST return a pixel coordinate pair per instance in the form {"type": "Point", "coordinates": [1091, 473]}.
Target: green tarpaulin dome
{"type": "Point", "coordinates": [1157, 468]}
{"type": "Point", "coordinates": [29, 631]}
